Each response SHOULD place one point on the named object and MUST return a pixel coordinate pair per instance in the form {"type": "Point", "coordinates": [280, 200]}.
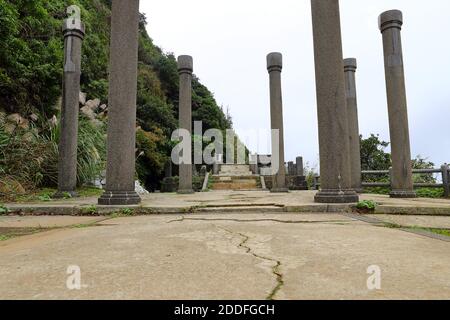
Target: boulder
{"type": "Point", "coordinates": [34, 117]}
{"type": "Point", "coordinates": [83, 98]}
{"type": "Point", "coordinates": [14, 118]}
{"type": "Point", "coordinates": [17, 120]}
{"type": "Point", "coordinates": [93, 104]}
{"type": "Point", "coordinates": [88, 112]}
{"type": "Point", "coordinates": [53, 121]}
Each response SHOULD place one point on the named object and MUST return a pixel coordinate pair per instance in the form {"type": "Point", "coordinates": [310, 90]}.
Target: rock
{"type": "Point", "coordinates": [103, 107]}
{"type": "Point", "coordinates": [93, 104]}
{"type": "Point", "coordinates": [139, 188]}
{"type": "Point", "coordinates": [34, 117]}
{"type": "Point", "coordinates": [82, 98]}
{"type": "Point", "coordinates": [53, 121]}
{"type": "Point", "coordinates": [88, 112]}
{"type": "Point", "coordinates": [24, 124]}
{"type": "Point", "coordinates": [18, 120]}
{"type": "Point", "coordinates": [14, 118]}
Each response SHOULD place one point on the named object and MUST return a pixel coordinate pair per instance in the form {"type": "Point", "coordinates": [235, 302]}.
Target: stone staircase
{"type": "Point", "coordinates": [236, 177]}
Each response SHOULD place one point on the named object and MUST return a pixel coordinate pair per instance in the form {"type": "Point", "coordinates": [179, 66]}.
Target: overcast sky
{"type": "Point", "coordinates": [230, 39]}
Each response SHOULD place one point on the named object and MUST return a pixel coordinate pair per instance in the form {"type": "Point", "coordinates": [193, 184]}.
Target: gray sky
{"type": "Point", "coordinates": [230, 39]}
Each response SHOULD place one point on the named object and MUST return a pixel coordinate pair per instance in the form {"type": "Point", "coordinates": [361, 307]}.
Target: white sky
{"type": "Point", "coordinates": [230, 39]}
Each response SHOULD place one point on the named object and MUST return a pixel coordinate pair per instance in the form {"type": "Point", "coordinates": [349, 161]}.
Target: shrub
{"type": "Point", "coordinates": [368, 205]}
{"type": "Point", "coordinates": [3, 209]}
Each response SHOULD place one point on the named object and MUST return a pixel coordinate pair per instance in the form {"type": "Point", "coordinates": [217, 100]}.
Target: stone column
{"type": "Point", "coordinates": [299, 167]}
{"type": "Point", "coordinates": [120, 172]}
{"type": "Point", "coordinates": [390, 24]}
{"type": "Point", "coordinates": [73, 30]}
{"type": "Point", "coordinates": [168, 169]}
{"type": "Point", "coordinates": [274, 66]}
{"type": "Point", "coordinates": [332, 114]}
{"type": "Point", "coordinates": [185, 69]}
{"type": "Point", "coordinates": [446, 179]}
{"type": "Point", "coordinates": [350, 67]}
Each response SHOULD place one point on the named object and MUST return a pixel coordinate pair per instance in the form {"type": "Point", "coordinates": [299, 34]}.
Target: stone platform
{"type": "Point", "coordinates": [232, 201]}
{"type": "Point", "coordinates": [226, 256]}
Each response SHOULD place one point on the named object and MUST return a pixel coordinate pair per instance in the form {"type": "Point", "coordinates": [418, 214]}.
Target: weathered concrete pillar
{"type": "Point", "coordinates": [350, 66]}
{"type": "Point", "coordinates": [73, 30]}
{"type": "Point", "coordinates": [299, 166]}
{"type": "Point", "coordinates": [390, 23]}
{"type": "Point", "coordinates": [120, 172]}
{"type": "Point", "coordinates": [185, 69]}
{"type": "Point", "coordinates": [446, 179]}
{"type": "Point", "coordinates": [274, 66]}
{"type": "Point", "coordinates": [332, 114]}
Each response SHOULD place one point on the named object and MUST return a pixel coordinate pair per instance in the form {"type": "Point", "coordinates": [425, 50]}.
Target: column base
{"type": "Point", "coordinates": [279, 190]}
{"type": "Point", "coordinates": [403, 194]}
{"type": "Point", "coordinates": [117, 198]}
{"type": "Point", "coordinates": [336, 196]}
{"type": "Point", "coordinates": [186, 191]}
{"type": "Point", "coordinates": [65, 194]}
{"type": "Point", "coordinates": [358, 190]}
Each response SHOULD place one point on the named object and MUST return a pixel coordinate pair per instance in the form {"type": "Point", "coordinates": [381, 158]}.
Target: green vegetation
{"type": "Point", "coordinates": [4, 237]}
{"type": "Point", "coordinates": [3, 209]}
{"type": "Point", "coordinates": [31, 60]}
{"type": "Point", "coordinates": [367, 205]}
{"type": "Point", "coordinates": [91, 210]}
{"type": "Point", "coordinates": [374, 157]}
{"type": "Point", "coordinates": [45, 194]}
{"type": "Point", "coordinates": [443, 232]}
{"type": "Point", "coordinates": [439, 231]}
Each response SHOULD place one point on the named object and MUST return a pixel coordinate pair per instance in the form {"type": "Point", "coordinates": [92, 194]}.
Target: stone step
{"type": "Point", "coordinates": [235, 170]}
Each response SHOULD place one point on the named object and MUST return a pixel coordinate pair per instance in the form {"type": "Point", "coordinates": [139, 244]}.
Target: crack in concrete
{"type": "Point", "coordinates": [275, 269]}
{"type": "Point", "coordinates": [183, 218]}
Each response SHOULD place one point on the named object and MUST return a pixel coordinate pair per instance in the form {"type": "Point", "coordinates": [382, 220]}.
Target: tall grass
{"type": "Point", "coordinates": [30, 158]}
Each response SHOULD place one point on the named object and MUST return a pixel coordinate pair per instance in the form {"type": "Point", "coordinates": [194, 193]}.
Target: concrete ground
{"type": "Point", "coordinates": [224, 256]}
{"type": "Point", "coordinates": [229, 201]}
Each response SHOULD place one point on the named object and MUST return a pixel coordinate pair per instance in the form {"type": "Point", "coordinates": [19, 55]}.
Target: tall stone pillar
{"type": "Point", "coordinates": [120, 172]}
{"type": "Point", "coordinates": [274, 66]}
{"type": "Point", "coordinates": [73, 30]}
{"type": "Point", "coordinates": [390, 23]}
{"type": "Point", "coordinates": [350, 66]}
{"type": "Point", "coordinates": [299, 167]}
{"type": "Point", "coordinates": [185, 69]}
{"type": "Point", "coordinates": [332, 113]}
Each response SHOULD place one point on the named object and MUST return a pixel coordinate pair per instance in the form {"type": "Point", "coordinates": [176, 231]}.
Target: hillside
{"type": "Point", "coordinates": [31, 60]}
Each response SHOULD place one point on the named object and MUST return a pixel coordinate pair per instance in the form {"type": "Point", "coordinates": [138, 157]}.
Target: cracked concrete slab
{"type": "Point", "coordinates": [227, 256]}
{"type": "Point", "coordinates": [229, 201]}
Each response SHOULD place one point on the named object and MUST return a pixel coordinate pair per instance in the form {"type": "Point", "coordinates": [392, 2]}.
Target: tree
{"type": "Point", "coordinates": [373, 155]}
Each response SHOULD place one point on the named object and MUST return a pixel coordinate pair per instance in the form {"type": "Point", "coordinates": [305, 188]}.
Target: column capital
{"type": "Point", "coordinates": [274, 61]}
{"type": "Point", "coordinates": [185, 64]}
{"type": "Point", "coordinates": [73, 27]}
{"type": "Point", "coordinates": [350, 64]}
{"type": "Point", "coordinates": [390, 19]}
